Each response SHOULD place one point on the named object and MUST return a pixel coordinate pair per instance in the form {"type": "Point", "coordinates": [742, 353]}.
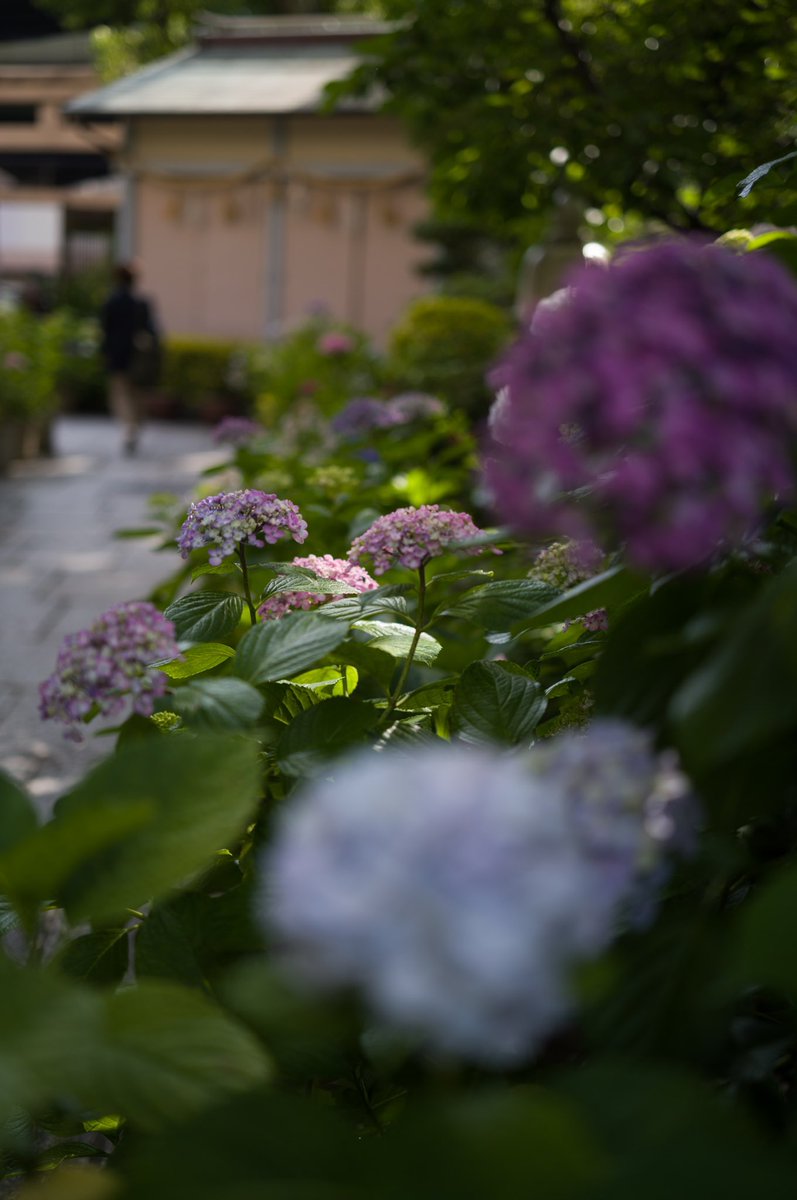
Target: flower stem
{"type": "Point", "coordinates": [245, 576]}
{"type": "Point", "coordinates": [405, 670]}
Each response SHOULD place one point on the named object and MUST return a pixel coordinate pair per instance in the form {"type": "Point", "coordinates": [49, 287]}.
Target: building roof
{"type": "Point", "coordinates": [256, 66]}
{"type": "Point", "coordinates": [58, 49]}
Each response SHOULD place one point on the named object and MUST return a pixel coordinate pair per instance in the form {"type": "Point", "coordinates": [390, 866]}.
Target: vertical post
{"type": "Point", "coordinates": [357, 258]}
{"type": "Point", "coordinates": [275, 242]}
{"type": "Point", "coordinates": [125, 233]}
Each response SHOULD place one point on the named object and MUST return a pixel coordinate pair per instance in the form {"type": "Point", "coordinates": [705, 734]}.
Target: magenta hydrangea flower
{"type": "Point", "coordinates": [457, 887]}
{"type": "Point", "coordinates": [236, 431]}
{"type": "Point", "coordinates": [230, 519]}
{"type": "Point", "coordinates": [326, 567]}
{"type": "Point", "coordinates": [409, 537]}
{"type": "Point", "coordinates": [657, 407]}
{"type": "Point", "coordinates": [334, 343]}
{"type": "Point", "coordinates": [99, 668]}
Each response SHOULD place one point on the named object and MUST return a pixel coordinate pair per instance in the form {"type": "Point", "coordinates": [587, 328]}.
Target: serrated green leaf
{"type": "Point", "coordinates": [497, 702]}
{"type": "Point", "coordinates": [140, 823]}
{"type": "Point", "coordinates": [396, 640]}
{"type": "Point", "coordinates": [501, 604]}
{"type": "Point", "coordinates": [323, 731]}
{"type": "Point", "coordinates": [98, 957]}
{"type": "Point", "coordinates": [17, 814]}
{"type": "Point", "coordinates": [284, 648]}
{"type": "Point", "coordinates": [196, 659]}
{"type": "Point", "coordinates": [166, 1053]}
{"type": "Point", "coordinates": [608, 590]}
{"type": "Point", "coordinates": [300, 580]}
{"type": "Point", "coordinates": [205, 616]}
{"type": "Point", "coordinates": [218, 704]}
{"type": "Point", "coordinates": [225, 568]}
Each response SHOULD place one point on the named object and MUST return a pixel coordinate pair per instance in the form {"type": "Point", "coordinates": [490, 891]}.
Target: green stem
{"type": "Point", "coordinates": [245, 576]}
{"type": "Point", "coordinates": [405, 670]}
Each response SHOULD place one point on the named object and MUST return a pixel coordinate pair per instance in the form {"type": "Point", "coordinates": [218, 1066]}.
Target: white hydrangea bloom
{"type": "Point", "coordinates": [456, 887]}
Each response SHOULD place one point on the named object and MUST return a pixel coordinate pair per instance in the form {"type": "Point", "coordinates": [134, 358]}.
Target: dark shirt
{"type": "Point", "coordinates": [123, 316]}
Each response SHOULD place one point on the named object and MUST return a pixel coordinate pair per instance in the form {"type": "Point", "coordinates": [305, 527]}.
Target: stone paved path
{"type": "Point", "coordinates": [61, 566]}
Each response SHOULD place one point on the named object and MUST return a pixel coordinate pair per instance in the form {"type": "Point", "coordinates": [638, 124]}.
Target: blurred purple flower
{"type": "Point", "coordinates": [15, 360]}
{"type": "Point", "coordinates": [457, 887]}
{"type": "Point", "coordinates": [415, 406]}
{"type": "Point", "coordinates": [237, 431]}
{"type": "Point", "coordinates": [362, 415]}
{"type": "Point", "coordinates": [334, 343]}
{"type": "Point", "coordinates": [249, 517]}
{"type": "Point", "coordinates": [326, 567]}
{"type": "Point", "coordinates": [409, 537]}
{"type": "Point", "coordinates": [657, 406]}
{"type": "Point", "coordinates": [100, 667]}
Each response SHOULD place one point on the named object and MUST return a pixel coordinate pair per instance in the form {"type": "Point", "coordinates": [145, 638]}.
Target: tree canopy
{"type": "Point", "coordinates": [649, 106]}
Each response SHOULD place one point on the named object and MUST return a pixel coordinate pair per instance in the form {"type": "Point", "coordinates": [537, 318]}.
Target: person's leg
{"type": "Point", "coordinates": [125, 406]}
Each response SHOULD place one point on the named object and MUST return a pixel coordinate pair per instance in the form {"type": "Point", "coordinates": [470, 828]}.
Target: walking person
{"type": "Point", "coordinates": [131, 349]}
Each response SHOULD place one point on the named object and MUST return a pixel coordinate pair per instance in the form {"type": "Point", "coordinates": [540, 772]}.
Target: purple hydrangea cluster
{"type": "Point", "coordinates": [363, 415]}
{"type": "Point", "coordinates": [236, 431]}
{"type": "Point", "coordinates": [415, 406]}
{"type": "Point", "coordinates": [326, 567]}
{"type": "Point", "coordinates": [100, 667]}
{"type": "Point", "coordinates": [409, 537]}
{"type": "Point", "coordinates": [458, 887]}
{"type": "Point", "coordinates": [657, 407]}
{"type": "Point", "coordinates": [231, 519]}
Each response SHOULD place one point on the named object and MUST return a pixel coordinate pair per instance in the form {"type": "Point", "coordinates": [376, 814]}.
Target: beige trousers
{"type": "Point", "coordinates": [126, 404]}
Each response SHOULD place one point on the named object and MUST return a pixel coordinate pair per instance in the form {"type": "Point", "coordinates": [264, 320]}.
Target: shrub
{"type": "Point", "coordinates": [197, 368]}
{"type": "Point", "coordinates": [445, 345]}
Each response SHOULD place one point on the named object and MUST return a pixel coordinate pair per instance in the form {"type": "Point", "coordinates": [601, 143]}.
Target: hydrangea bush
{"type": "Point", "coordinates": [473, 878]}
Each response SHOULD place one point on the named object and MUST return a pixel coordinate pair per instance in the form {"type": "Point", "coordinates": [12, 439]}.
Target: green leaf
{"type": "Point", "coordinates": [333, 681]}
{"type": "Point", "coordinates": [205, 615]}
{"type": "Point", "coordinates": [323, 731]}
{"type": "Point", "coordinates": [284, 648]}
{"type": "Point", "coordinates": [502, 603]}
{"type": "Point", "coordinates": [17, 815]}
{"type": "Point", "coordinates": [195, 659]}
{"type": "Point", "coordinates": [607, 590]}
{"type": "Point", "coordinates": [100, 957]}
{"type": "Point", "coordinates": [396, 640]}
{"type": "Point", "coordinates": [497, 702]}
{"type": "Point", "coordinates": [167, 1052]}
{"type": "Point", "coordinates": [225, 568]}
{"type": "Point", "coordinates": [141, 823]}
{"type": "Point", "coordinates": [218, 704]}
{"type": "Point", "coordinates": [141, 531]}
{"type": "Point", "coordinates": [759, 953]}
{"type": "Point", "coordinates": [297, 579]}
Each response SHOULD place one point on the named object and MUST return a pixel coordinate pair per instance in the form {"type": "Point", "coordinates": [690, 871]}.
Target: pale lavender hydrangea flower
{"type": "Point", "coordinates": [457, 887]}
{"type": "Point", "coordinates": [326, 567]}
{"type": "Point", "coordinates": [409, 537]}
{"type": "Point", "coordinates": [236, 431]}
{"type": "Point", "coordinates": [249, 517]}
{"type": "Point", "coordinates": [415, 406]}
{"type": "Point", "coordinates": [99, 668]}
{"type": "Point", "coordinates": [657, 407]}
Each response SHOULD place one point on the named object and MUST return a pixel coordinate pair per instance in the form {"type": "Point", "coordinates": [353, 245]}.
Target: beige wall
{"type": "Point", "coordinates": [226, 253]}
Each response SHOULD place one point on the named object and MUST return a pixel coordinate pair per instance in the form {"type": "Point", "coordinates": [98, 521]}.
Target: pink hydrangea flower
{"type": "Point", "coordinates": [231, 519]}
{"type": "Point", "coordinates": [100, 667]}
{"type": "Point", "coordinates": [656, 408]}
{"type": "Point", "coordinates": [14, 360]}
{"type": "Point", "coordinates": [335, 343]}
{"type": "Point", "coordinates": [409, 537]}
{"type": "Point", "coordinates": [326, 567]}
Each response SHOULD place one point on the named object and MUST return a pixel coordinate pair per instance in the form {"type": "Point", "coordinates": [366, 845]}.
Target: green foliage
{"type": "Point", "coordinates": [643, 106]}
{"type": "Point", "coordinates": [445, 345]}
{"type": "Point", "coordinates": [195, 369]}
